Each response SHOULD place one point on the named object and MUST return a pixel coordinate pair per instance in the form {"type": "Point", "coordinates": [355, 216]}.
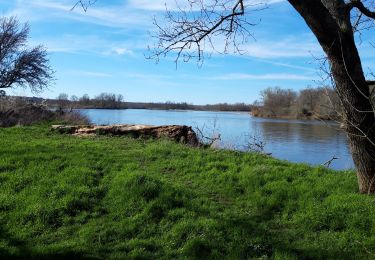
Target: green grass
{"type": "Point", "coordinates": [113, 197]}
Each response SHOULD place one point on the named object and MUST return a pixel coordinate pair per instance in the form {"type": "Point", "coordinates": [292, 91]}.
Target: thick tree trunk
{"type": "Point", "coordinates": [330, 22]}
{"type": "Point", "coordinates": [359, 120]}
{"type": "Point", "coordinates": [359, 117]}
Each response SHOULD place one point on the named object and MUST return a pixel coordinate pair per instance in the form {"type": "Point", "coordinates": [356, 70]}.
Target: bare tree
{"type": "Point", "coordinates": [255, 143]}
{"type": "Point", "coordinates": [278, 102]}
{"type": "Point", "coordinates": [309, 98]}
{"type": "Point", "coordinates": [62, 101]}
{"type": "Point", "coordinates": [319, 103]}
{"type": "Point", "coordinates": [333, 22]}
{"type": "Point", "coordinates": [85, 100]}
{"type": "Point", "coordinates": [119, 98]}
{"type": "Point", "coordinates": [73, 102]}
{"type": "Point", "coordinates": [20, 66]}
{"type": "Point", "coordinates": [209, 136]}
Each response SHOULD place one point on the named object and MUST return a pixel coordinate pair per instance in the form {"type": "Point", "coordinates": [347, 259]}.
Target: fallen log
{"type": "Point", "coordinates": [179, 133]}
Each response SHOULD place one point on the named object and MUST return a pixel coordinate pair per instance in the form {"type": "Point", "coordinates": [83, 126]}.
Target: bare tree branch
{"type": "Point", "coordinates": [329, 162]}
{"type": "Point", "coordinates": [84, 4]}
{"type": "Point", "coordinates": [188, 32]}
{"type": "Point", "coordinates": [361, 7]}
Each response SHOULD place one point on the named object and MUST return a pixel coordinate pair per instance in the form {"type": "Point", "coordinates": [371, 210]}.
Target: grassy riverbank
{"type": "Point", "coordinates": [116, 197]}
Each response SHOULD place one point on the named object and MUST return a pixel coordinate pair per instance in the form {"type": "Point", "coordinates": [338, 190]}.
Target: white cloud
{"type": "Point", "coordinates": [272, 76]}
{"type": "Point", "coordinates": [90, 74]}
{"type": "Point", "coordinates": [147, 76]}
{"type": "Point", "coordinates": [124, 16]}
{"type": "Point", "coordinates": [227, 76]}
{"type": "Point", "coordinates": [286, 65]}
{"type": "Point", "coordinates": [92, 44]}
{"type": "Point", "coordinates": [48, 4]}
{"type": "Point", "coordinates": [152, 5]}
{"type": "Point", "coordinates": [122, 51]}
{"type": "Point", "coordinates": [111, 16]}
{"type": "Point", "coordinates": [71, 43]}
{"type": "Point", "coordinates": [287, 47]}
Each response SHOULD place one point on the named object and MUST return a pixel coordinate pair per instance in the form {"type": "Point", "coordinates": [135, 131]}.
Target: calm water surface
{"type": "Point", "coordinates": [310, 142]}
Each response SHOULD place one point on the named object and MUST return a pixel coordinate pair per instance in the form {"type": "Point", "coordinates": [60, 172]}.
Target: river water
{"type": "Point", "coordinates": [311, 142]}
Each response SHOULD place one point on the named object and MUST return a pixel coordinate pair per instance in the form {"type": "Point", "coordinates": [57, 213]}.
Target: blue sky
{"type": "Point", "coordinates": [103, 50]}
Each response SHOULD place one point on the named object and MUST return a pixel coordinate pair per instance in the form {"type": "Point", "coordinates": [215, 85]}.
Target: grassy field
{"type": "Point", "coordinates": [113, 197]}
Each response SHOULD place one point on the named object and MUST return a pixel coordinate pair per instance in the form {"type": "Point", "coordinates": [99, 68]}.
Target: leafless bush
{"type": "Point", "coordinates": [255, 143]}
{"type": "Point", "coordinates": [14, 113]}
{"type": "Point", "coordinates": [209, 136]}
{"type": "Point", "coordinates": [74, 118]}
{"type": "Point", "coordinates": [17, 112]}
{"type": "Point", "coordinates": [330, 161]}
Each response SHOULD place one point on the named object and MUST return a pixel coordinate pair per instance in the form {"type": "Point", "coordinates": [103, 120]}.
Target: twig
{"type": "Point", "coordinates": [329, 162]}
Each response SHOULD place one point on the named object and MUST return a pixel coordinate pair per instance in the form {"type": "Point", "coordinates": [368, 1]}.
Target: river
{"type": "Point", "coordinates": [311, 142]}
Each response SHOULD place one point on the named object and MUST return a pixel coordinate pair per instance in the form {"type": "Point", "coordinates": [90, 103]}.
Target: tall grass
{"type": "Point", "coordinates": [103, 197]}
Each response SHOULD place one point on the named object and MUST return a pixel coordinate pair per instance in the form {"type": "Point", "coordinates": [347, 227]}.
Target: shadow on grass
{"type": "Point", "coordinates": [17, 249]}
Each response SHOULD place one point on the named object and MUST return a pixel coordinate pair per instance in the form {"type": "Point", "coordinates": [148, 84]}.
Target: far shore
{"type": "Point", "coordinates": [286, 117]}
{"type": "Point", "coordinates": [161, 109]}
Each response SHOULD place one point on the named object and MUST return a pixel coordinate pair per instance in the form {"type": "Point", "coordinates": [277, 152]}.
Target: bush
{"type": "Point", "coordinates": [73, 118]}
{"type": "Point", "coordinates": [16, 112]}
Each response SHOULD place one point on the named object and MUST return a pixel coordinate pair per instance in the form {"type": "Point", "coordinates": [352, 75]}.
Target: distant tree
{"type": "Point", "coordinates": [328, 105]}
{"type": "Point", "coordinates": [108, 100]}
{"type": "Point", "coordinates": [105, 100]}
{"type": "Point", "coordinates": [277, 101]}
{"type": "Point", "coordinates": [74, 101]}
{"type": "Point", "coordinates": [62, 101]}
{"type": "Point", "coordinates": [84, 100]}
{"type": "Point", "coordinates": [120, 98]}
{"type": "Point", "coordinates": [308, 99]}
{"type": "Point", "coordinates": [321, 102]}
{"type": "Point", "coordinates": [63, 96]}
{"type": "Point", "coordinates": [21, 66]}
{"type": "Point", "coordinates": [74, 98]}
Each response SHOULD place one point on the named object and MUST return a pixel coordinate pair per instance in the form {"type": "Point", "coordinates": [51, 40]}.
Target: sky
{"type": "Point", "coordinates": [105, 50]}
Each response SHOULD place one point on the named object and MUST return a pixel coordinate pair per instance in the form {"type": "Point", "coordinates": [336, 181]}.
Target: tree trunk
{"type": "Point", "coordinates": [330, 22]}
{"type": "Point", "coordinates": [358, 118]}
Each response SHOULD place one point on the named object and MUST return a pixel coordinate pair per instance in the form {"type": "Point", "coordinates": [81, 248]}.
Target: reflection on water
{"type": "Point", "coordinates": [294, 140]}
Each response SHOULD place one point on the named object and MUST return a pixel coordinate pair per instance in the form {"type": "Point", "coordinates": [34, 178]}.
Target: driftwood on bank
{"type": "Point", "coordinates": [179, 133]}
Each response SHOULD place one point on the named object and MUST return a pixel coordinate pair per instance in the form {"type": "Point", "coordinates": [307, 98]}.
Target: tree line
{"type": "Point", "coordinates": [103, 100]}
{"type": "Point", "coordinates": [116, 101]}
{"type": "Point", "coordinates": [308, 103]}
{"type": "Point", "coordinates": [237, 107]}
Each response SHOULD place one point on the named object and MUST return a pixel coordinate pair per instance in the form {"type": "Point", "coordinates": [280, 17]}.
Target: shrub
{"type": "Point", "coordinates": [73, 118]}
{"type": "Point", "coordinates": [17, 112]}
